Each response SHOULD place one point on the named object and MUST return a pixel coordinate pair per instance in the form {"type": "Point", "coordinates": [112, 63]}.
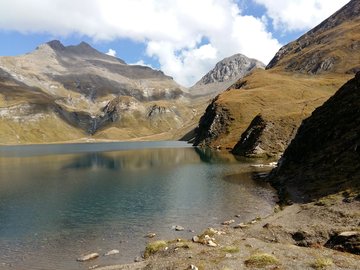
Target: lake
{"type": "Point", "coordinates": [58, 202]}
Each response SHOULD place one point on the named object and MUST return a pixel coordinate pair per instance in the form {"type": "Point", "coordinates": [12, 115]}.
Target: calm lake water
{"type": "Point", "coordinates": [58, 202]}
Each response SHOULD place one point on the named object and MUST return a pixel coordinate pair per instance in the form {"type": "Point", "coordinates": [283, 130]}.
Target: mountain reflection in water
{"type": "Point", "coordinates": [56, 207]}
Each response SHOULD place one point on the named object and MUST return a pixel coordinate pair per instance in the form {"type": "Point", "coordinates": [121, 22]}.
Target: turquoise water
{"type": "Point", "coordinates": [60, 201]}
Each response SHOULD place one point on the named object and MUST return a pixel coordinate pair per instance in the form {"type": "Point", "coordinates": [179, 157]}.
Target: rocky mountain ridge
{"type": "Point", "coordinates": [224, 74]}
{"type": "Point", "coordinates": [322, 49]}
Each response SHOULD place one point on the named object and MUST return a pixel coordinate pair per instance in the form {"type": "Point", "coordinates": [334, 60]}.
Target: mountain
{"type": "Point", "coordinates": [259, 115]}
{"type": "Point", "coordinates": [323, 48]}
{"type": "Point", "coordinates": [224, 74]}
{"type": "Point", "coordinates": [324, 156]}
{"type": "Point", "coordinates": [59, 93]}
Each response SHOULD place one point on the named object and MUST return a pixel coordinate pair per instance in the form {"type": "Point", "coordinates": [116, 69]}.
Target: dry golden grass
{"type": "Point", "coordinates": [337, 42]}
{"type": "Point", "coordinates": [276, 95]}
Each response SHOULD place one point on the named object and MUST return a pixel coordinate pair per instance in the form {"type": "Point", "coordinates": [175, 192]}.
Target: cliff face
{"type": "Point", "coordinates": [214, 122]}
{"type": "Point", "coordinates": [302, 75]}
{"type": "Point", "coordinates": [324, 156]}
{"type": "Point", "coordinates": [266, 137]}
{"type": "Point", "coordinates": [224, 74]}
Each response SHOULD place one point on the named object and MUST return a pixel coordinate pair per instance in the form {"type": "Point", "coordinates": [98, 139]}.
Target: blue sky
{"type": "Point", "coordinates": [184, 38]}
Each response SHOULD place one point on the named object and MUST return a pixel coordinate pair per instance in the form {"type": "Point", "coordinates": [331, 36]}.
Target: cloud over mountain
{"type": "Point", "coordinates": [187, 37]}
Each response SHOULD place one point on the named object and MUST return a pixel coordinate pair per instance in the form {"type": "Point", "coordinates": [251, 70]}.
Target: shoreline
{"type": "Point", "coordinates": [299, 236]}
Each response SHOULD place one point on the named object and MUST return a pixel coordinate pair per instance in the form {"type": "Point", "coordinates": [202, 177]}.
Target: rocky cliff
{"type": "Point", "coordinates": [267, 107]}
{"type": "Point", "coordinates": [324, 156]}
{"type": "Point", "coordinates": [224, 74]}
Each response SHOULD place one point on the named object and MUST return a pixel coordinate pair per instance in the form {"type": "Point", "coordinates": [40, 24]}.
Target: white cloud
{"type": "Point", "coordinates": [142, 63]}
{"type": "Point", "coordinates": [187, 37]}
{"type": "Point", "coordinates": [111, 52]}
{"type": "Point", "coordinates": [173, 31]}
{"type": "Point", "coordinates": [298, 15]}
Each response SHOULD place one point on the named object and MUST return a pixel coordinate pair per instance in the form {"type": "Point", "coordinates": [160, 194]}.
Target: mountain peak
{"type": "Point", "coordinates": [56, 45]}
{"type": "Point", "coordinates": [230, 68]}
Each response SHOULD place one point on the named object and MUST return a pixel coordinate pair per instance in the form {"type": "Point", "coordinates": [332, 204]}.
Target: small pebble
{"type": "Point", "coordinates": [195, 239]}
{"type": "Point", "coordinates": [210, 243]}
{"type": "Point", "coordinates": [112, 252]}
{"type": "Point", "coordinates": [179, 228]}
{"type": "Point", "coordinates": [228, 222]}
{"type": "Point", "coordinates": [150, 235]}
{"type": "Point", "coordinates": [88, 257]}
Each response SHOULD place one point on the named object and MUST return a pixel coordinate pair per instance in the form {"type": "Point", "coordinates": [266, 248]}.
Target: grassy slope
{"type": "Point", "coordinates": [276, 95]}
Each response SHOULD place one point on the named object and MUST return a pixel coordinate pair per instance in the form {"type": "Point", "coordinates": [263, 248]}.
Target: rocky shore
{"type": "Point", "coordinates": [318, 235]}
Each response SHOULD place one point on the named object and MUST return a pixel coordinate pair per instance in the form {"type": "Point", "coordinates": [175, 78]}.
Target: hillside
{"type": "Point", "coordinates": [61, 93]}
{"type": "Point", "coordinates": [281, 97]}
{"type": "Point", "coordinates": [326, 47]}
{"type": "Point", "coordinates": [324, 156]}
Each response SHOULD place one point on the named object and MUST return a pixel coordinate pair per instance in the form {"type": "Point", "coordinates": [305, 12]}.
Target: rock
{"type": "Point", "coordinates": [241, 226]}
{"type": "Point", "coordinates": [196, 239]}
{"type": "Point", "coordinates": [348, 234]}
{"type": "Point", "coordinates": [88, 257]}
{"type": "Point", "coordinates": [228, 222]}
{"type": "Point", "coordinates": [112, 252]}
{"type": "Point", "coordinates": [345, 241]}
{"type": "Point", "coordinates": [138, 259]}
{"type": "Point", "coordinates": [179, 228]}
{"type": "Point", "coordinates": [93, 267]}
{"type": "Point", "coordinates": [210, 243]}
{"type": "Point", "coordinates": [193, 267]}
{"type": "Point", "coordinates": [150, 235]}
{"type": "Point", "coordinates": [208, 238]}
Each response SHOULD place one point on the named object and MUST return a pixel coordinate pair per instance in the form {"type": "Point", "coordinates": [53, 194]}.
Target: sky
{"type": "Point", "coordinates": [183, 38]}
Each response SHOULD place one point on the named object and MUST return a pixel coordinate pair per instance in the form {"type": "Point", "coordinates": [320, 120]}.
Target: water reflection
{"type": "Point", "coordinates": [56, 206]}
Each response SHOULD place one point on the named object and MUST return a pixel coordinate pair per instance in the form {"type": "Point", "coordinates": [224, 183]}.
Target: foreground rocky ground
{"type": "Point", "coordinates": [301, 236]}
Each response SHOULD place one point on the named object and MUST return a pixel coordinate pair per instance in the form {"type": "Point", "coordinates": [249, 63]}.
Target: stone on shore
{"type": "Point", "coordinates": [88, 257]}
{"type": "Point", "coordinates": [179, 228]}
{"type": "Point", "coordinates": [228, 222]}
{"type": "Point", "coordinates": [150, 235]}
{"type": "Point", "coordinates": [112, 252]}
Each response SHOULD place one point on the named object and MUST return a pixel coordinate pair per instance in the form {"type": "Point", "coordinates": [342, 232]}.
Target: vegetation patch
{"type": "Point", "coordinates": [154, 247]}
{"type": "Point", "coordinates": [231, 249]}
{"type": "Point", "coordinates": [260, 260]}
{"type": "Point", "coordinates": [322, 263]}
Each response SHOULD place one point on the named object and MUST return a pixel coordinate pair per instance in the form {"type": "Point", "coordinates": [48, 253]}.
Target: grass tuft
{"type": "Point", "coordinates": [260, 260]}
{"type": "Point", "coordinates": [322, 263]}
{"type": "Point", "coordinates": [154, 247]}
{"type": "Point", "coordinates": [231, 249]}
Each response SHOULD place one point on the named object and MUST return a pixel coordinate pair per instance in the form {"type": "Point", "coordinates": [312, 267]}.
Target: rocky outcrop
{"type": "Point", "coordinates": [323, 48]}
{"type": "Point", "coordinates": [214, 122]}
{"type": "Point", "coordinates": [224, 74]}
{"type": "Point", "coordinates": [266, 137]}
{"type": "Point", "coordinates": [324, 156]}
{"type": "Point", "coordinates": [230, 68]}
